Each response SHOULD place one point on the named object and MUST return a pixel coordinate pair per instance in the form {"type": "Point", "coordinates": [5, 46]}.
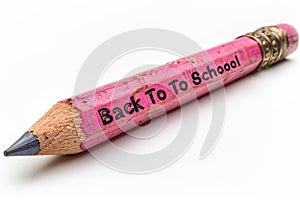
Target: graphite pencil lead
{"type": "Point", "coordinates": [28, 144]}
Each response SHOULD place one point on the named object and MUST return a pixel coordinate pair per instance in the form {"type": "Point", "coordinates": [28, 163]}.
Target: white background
{"type": "Point", "coordinates": [42, 47]}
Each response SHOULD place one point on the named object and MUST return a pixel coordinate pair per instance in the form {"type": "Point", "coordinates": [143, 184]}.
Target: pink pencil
{"type": "Point", "coordinates": [78, 123]}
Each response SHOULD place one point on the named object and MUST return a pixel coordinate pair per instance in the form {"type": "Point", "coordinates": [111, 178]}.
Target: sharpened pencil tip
{"type": "Point", "coordinates": [28, 144]}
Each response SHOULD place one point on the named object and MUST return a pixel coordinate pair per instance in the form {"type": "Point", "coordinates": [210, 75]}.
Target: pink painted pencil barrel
{"type": "Point", "coordinates": [122, 105]}
{"type": "Point", "coordinates": [117, 107]}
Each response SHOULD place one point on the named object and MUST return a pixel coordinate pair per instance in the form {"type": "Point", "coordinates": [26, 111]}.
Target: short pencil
{"type": "Point", "coordinates": [83, 121]}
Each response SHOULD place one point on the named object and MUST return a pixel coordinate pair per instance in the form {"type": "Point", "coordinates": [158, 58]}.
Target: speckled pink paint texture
{"type": "Point", "coordinates": [243, 50]}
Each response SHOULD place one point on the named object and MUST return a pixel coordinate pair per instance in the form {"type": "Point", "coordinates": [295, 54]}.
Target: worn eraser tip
{"type": "Point", "coordinates": [292, 37]}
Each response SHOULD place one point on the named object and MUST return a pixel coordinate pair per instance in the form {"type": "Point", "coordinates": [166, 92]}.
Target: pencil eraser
{"type": "Point", "coordinates": [292, 36]}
